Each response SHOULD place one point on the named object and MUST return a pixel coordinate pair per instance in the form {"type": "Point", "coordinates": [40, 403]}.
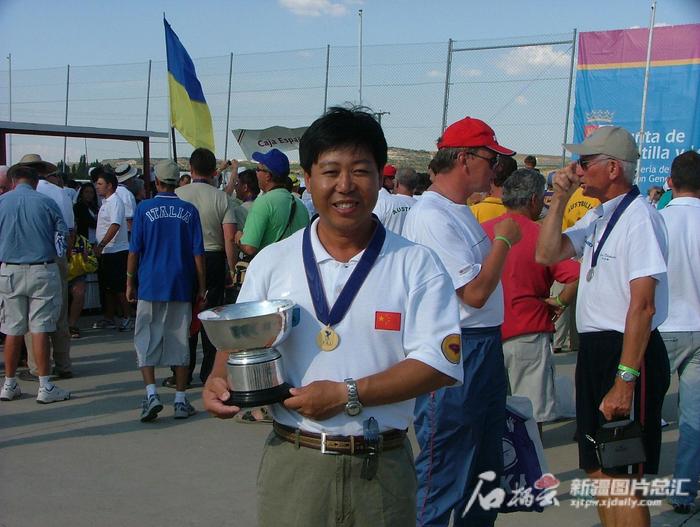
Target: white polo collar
{"type": "Point", "coordinates": [685, 201]}
{"type": "Point", "coordinates": [320, 253]}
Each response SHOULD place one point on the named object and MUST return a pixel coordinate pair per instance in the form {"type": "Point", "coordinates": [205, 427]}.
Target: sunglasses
{"type": "Point", "coordinates": [585, 163]}
{"type": "Point", "coordinates": [262, 169]}
{"type": "Point", "coordinates": [492, 161]}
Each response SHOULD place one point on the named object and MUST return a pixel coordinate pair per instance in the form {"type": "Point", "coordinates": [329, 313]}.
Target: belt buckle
{"type": "Point", "coordinates": [324, 449]}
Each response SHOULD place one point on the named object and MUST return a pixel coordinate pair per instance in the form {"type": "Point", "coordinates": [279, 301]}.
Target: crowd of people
{"type": "Point", "coordinates": [440, 304]}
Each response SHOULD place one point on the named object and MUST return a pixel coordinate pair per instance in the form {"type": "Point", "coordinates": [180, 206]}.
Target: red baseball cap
{"type": "Point", "coordinates": [389, 170]}
{"type": "Point", "coordinates": [470, 132]}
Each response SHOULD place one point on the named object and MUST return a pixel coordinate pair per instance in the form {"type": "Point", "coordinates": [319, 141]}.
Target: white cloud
{"type": "Point", "coordinates": [435, 74]}
{"type": "Point", "coordinates": [468, 72]}
{"type": "Point", "coordinates": [314, 7]}
{"type": "Point", "coordinates": [521, 100]}
{"type": "Point", "coordinates": [521, 59]}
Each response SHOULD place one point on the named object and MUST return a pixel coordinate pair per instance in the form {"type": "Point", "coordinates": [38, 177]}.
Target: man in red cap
{"type": "Point", "coordinates": [389, 174]}
{"type": "Point", "coordinates": [460, 430]}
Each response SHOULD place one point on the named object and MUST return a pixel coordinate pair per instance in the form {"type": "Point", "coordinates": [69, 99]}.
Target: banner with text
{"type": "Point", "coordinates": [610, 85]}
{"type": "Point", "coordinates": [279, 137]}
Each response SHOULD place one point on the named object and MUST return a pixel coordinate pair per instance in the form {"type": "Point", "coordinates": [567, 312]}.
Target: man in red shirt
{"type": "Point", "coordinates": [530, 312]}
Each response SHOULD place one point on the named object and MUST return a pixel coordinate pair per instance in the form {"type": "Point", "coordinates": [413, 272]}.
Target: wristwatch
{"type": "Point", "coordinates": [353, 406]}
{"type": "Point", "coordinates": [626, 376]}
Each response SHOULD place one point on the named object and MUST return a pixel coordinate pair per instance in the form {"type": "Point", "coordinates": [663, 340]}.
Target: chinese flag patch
{"type": "Point", "coordinates": [387, 320]}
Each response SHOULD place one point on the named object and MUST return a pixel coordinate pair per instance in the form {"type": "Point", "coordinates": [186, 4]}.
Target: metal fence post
{"type": "Point", "coordinates": [568, 98]}
{"type": "Point", "coordinates": [9, 136]}
{"type": "Point", "coordinates": [65, 139]}
{"type": "Point", "coordinates": [328, 64]}
{"type": "Point", "coordinates": [448, 71]}
{"type": "Point", "coordinates": [148, 93]}
{"type": "Point", "coordinates": [228, 106]}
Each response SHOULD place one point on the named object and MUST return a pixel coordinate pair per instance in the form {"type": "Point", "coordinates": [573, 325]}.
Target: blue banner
{"type": "Point", "coordinates": [610, 85]}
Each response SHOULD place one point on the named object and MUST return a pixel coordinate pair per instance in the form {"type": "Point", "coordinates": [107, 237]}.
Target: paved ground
{"type": "Point", "coordinates": [90, 462]}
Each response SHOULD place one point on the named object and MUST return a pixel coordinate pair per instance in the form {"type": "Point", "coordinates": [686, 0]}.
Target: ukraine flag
{"type": "Point", "coordinates": [189, 112]}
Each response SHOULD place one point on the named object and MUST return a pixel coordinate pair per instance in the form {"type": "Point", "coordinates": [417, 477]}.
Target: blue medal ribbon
{"type": "Point", "coordinates": [330, 317]}
{"type": "Point", "coordinates": [621, 207]}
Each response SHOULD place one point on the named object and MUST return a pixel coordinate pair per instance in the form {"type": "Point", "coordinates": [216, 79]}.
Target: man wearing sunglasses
{"type": "Point", "coordinates": [460, 430]}
{"type": "Point", "coordinates": [622, 369]}
{"type": "Point", "coordinates": [276, 214]}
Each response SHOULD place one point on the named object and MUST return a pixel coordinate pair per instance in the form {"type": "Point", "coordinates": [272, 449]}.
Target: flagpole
{"type": "Point", "coordinates": [646, 88]}
{"type": "Point", "coordinates": [360, 55]}
{"type": "Point", "coordinates": [170, 111]}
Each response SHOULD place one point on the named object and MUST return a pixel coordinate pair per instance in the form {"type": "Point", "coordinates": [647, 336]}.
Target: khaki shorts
{"type": "Point", "coordinates": [160, 335]}
{"type": "Point", "coordinates": [30, 298]}
{"type": "Point", "coordinates": [530, 366]}
{"type": "Point", "coordinates": [301, 487]}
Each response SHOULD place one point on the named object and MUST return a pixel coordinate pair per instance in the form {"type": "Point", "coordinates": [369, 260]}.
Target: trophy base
{"type": "Point", "coordinates": [259, 397]}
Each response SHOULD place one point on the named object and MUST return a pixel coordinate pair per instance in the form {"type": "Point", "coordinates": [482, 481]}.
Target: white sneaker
{"type": "Point", "coordinates": [10, 392]}
{"type": "Point", "coordinates": [52, 395]}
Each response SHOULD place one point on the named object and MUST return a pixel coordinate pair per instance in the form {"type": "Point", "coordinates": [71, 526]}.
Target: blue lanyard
{"type": "Point", "coordinates": [330, 317]}
{"type": "Point", "coordinates": [621, 207]}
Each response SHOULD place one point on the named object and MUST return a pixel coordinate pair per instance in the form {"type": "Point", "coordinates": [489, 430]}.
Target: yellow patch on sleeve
{"type": "Point", "coordinates": [452, 348]}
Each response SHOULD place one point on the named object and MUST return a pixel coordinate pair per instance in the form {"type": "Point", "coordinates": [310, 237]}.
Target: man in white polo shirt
{"type": "Point", "coordinates": [681, 330]}
{"type": "Point", "coordinates": [112, 249]}
{"type": "Point", "coordinates": [391, 335]}
{"type": "Point", "coordinates": [622, 299]}
{"type": "Point", "coordinates": [391, 209]}
{"type": "Point", "coordinates": [460, 431]}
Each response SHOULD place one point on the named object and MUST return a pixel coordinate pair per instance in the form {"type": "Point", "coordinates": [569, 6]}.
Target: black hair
{"type": "Point", "coordinates": [530, 160]}
{"type": "Point", "coordinates": [109, 178]}
{"type": "Point", "coordinates": [422, 183]}
{"type": "Point", "coordinates": [685, 171]}
{"type": "Point", "coordinates": [505, 167]}
{"type": "Point", "coordinates": [250, 180]}
{"type": "Point", "coordinates": [340, 127]}
{"type": "Point", "coordinates": [93, 205]}
{"type": "Point", "coordinates": [97, 171]}
{"type": "Point", "coordinates": [203, 162]}
{"type": "Point", "coordinates": [17, 172]}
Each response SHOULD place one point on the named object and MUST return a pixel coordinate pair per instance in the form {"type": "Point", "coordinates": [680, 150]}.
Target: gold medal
{"type": "Point", "coordinates": [327, 339]}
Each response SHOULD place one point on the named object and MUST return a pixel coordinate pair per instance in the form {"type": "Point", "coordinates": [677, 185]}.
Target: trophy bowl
{"type": "Point", "coordinates": [249, 332]}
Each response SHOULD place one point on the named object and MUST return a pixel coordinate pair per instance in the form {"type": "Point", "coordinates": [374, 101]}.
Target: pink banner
{"type": "Point", "coordinates": [678, 44]}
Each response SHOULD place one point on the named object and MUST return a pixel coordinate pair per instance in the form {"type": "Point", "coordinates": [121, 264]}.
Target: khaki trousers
{"type": "Point", "coordinates": [302, 487]}
{"type": "Point", "coordinates": [60, 339]}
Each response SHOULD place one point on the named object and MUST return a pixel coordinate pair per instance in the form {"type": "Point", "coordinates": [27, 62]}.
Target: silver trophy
{"type": "Point", "coordinates": [249, 332]}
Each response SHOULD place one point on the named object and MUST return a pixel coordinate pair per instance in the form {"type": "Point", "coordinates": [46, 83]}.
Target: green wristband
{"type": "Point", "coordinates": [622, 367]}
{"type": "Point", "coordinates": [560, 303]}
{"type": "Point", "coordinates": [504, 240]}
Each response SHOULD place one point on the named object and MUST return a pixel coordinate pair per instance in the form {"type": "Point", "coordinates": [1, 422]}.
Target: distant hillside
{"type": "Point", "coordinates": [417, 159]}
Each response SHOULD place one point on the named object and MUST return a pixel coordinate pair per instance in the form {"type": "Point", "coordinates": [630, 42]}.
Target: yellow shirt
{"type": "Point", "coordinates": [577, 207]}
{"type": "Point", "coordinates": [488, 209]}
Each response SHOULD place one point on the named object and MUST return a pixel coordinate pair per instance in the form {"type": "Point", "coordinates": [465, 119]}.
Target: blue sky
{"type": "Point", "coordinates": [44, 33]}
{"type": "Point", "coordinates": [44, 36]}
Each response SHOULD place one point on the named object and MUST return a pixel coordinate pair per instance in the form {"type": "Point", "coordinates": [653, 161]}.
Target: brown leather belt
{"type": "Point", "coordinates": [329, 444]}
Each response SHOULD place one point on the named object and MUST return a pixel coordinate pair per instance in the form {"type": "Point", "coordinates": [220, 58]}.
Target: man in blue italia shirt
{"type": "Point", "coordinates": [30, 287]}
{"type": "Point", "coordinates": [166, 250]}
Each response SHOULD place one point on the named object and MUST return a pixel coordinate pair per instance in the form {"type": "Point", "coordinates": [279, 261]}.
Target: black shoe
{"type": "Point", "coordinates": [682, 508]}
{"type": "Point", "coordinates": [26, 375]}
{"type": "Point", "coordinates": [62, 374]}
{"type": "Point", "coordinates": [169, 382]}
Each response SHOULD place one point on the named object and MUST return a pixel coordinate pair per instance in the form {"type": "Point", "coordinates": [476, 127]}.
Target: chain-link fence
{"type": "Point", "coordinates": [520, 86]}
